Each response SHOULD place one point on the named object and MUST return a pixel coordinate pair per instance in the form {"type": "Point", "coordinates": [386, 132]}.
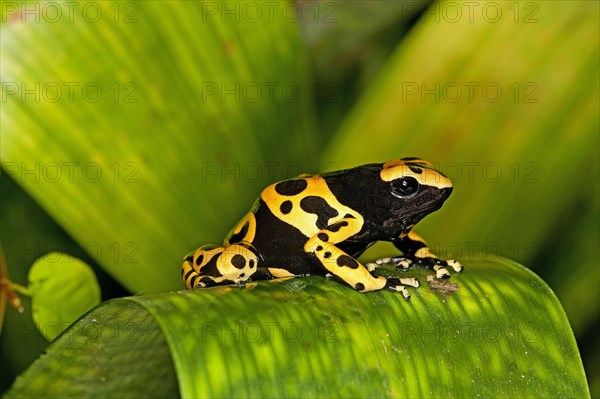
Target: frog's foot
{"type": "Point", "coordinates": [439, 266]}
{"type": "Point", "coordinates": [400, 284]}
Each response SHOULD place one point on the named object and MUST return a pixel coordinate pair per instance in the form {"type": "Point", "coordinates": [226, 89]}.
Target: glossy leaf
{"type": "Point", "coordinates": [495, 330]}
{"type": "Point", "coordinates": [62, 288]}
{"type": "Point", "coordinates": [116, 350]}
{"type": "Point", "coordinates": [550, 47]}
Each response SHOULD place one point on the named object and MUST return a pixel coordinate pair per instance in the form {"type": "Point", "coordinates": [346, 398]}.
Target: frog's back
{"type": "Point", "coordinates": [291, 211]}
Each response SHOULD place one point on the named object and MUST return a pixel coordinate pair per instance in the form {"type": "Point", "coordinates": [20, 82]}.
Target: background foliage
{"type": "Point", "coordinates": [503, 98]}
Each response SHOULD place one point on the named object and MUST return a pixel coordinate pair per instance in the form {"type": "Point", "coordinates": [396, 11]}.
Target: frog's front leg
{"type": "Point", "coordinates": [212, 265]}
{"type": "Point", "coordinates": [345, 267]}
{"type": "Point", "coordinates": [416, 251]}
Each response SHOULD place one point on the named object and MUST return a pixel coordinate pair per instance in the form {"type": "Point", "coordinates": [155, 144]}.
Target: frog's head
{"type": "Point", "coordinates": [415, 190]}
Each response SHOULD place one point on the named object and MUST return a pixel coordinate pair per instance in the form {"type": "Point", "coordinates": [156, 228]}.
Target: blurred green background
{"type": "Point", "coordinates": [132, 132]}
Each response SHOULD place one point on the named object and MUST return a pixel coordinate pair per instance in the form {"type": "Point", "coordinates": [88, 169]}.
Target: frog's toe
{"type": "Point", "coordinates": [399, 288]}
{"type": "Point", "coordinates": [402, 262]}
{"type": "Point", "coordinates": [399, 285]}
{"type": "Point", "coordinates": [455, 265]}
{"type": "Point", "coordinates": [410, 281]}
{"type": "Point", "coordinates": [200, 284]}
{"type": "Point", "coordinates": [371, 266]}
{"type": "Point", "coordinates": [384, 261]}
{"type": "Point", "coordinates": [441, 273]}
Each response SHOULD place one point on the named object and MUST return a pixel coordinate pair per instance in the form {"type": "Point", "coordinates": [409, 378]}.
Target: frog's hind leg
{"type": "Point", "coordinates": [211, 265]}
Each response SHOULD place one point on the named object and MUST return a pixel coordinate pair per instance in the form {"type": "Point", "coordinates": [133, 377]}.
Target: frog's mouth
{"type": "Point", "coordinates": [426, 207]}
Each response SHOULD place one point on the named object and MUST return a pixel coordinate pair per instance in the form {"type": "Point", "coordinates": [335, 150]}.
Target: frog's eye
{"type": "Point", "coordinates": [405, 187]}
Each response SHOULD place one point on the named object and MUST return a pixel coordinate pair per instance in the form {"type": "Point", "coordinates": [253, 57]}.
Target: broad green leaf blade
{"type": "Point", "coordinates": [147, 153]}
{"type": "Point", "coordinates": [116, 350]}
{"type": "Point", "coordinates": [62, 288]}
{"type": "Point", "coordinates": [496, 330]}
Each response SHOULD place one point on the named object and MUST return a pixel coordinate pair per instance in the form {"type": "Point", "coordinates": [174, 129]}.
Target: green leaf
{"type": "Point", "coordinates": [62, 288]}
{"type": "Point", "coordinates": [145, 154]}
{"type": "Point", "coordinates": [117, 350]}
{"type": "Point", "coordinates": [495, 330]}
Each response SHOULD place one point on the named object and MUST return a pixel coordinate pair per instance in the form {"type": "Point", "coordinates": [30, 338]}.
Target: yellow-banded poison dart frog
{"type": "Point", "coordinates": [320, 224]}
